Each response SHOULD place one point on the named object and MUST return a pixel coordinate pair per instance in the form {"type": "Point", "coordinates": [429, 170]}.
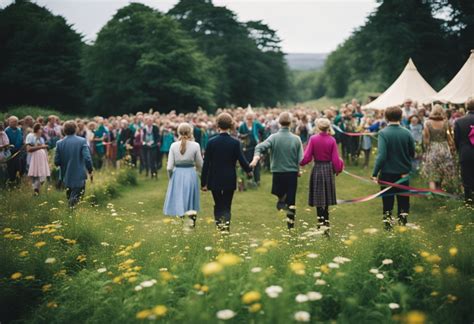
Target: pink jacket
{"type": "Point", "coordinates": [323, 147]}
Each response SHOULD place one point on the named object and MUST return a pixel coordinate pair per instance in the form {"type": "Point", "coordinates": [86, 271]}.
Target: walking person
{"type": "Point", "coordinates": [438, 166]}
{"type": "Point", "coordinates": [464, 140]}
{"type": "Point", "coordinates": [286, 151]}
{"type": "Point", "coordinates": [38, 168]}
{"type": "Point", "coordinates": [396, 149]}
{"type": "Point", "coordinates": [151, 142]}
{"type": "Point", "coordinates": [182, 197]}
{"type": "Point", "coordinates": [74, 159]}
{"type": "Point", "coordinates": [15, 138]}
{"type": "Point", "coordinates": [218, 172]}
{"type": "Point", "coordinates": [322, 149]}
{"type": "Point", "coordinates": [249, 132]}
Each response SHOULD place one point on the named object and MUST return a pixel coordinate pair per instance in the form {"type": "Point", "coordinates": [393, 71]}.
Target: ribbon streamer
{"type": "Point", "coordinates": [338, 129]}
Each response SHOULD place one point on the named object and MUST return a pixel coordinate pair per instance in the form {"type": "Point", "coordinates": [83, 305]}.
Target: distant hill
{"type": "Point", "coordinates": [305, 61]}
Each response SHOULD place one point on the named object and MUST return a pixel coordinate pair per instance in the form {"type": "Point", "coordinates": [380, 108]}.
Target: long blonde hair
{"type": "Point", "coordinates": [185, 132]}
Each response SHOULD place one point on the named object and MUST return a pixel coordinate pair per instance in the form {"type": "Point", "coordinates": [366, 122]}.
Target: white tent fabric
{"type": "Point", "coordinates": [409, 85]}
{"type": "Point", "coordinates": [461, 87]}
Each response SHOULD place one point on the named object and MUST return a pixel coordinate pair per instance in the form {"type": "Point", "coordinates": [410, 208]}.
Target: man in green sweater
{"type": "Point", "coordinates": [396, 149]}
{"type": "Point", "coordinates": [286, 152]}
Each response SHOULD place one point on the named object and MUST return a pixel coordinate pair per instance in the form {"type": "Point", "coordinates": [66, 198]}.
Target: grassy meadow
{"type": "Point", "coordinates": [117, 259]}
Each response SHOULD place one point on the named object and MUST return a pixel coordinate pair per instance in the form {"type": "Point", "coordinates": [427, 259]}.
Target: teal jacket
{"type": "Point", "coordinates": [396, 149]}
{"type": "Point", "coordinates": [286, 151]}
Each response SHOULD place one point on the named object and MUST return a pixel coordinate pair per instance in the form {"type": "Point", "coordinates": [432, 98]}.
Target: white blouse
{"type": "Point", "coordinates": [191, 156]}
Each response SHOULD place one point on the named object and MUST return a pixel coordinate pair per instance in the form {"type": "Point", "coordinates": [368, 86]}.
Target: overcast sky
{"type": "Point", "coordinates": [310, 26]}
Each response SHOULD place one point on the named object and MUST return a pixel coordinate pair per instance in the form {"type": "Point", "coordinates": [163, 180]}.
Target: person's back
{"type": "Point", "coordinates": [70, 158]}
{"type": "Point", "coordinates": [222, 154]}
{"type": "Point", "coordinates": [396, 150]}
{"type": "Point", "coordinates": [462, 128]}
{"type": "Point", "coordinates": [286, 151]}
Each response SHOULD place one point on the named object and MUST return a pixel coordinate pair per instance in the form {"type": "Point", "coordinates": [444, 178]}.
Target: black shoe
{"type": "Point", "coordinates": [388, 221]}
{"type": "Point", "coordinates": [281, 205]}
{"type": "Point", "coordinates": [403, 219]}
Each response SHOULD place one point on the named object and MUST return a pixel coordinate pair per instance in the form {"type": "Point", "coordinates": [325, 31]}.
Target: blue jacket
{"type": "Point", "coordinates": [218, 171]}
{"type": "Point", "coordinates": [73, 156]}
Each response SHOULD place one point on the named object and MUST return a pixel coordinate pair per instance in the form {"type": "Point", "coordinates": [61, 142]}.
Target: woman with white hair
{"type": "Point", "coordinates": [182, 197]}
{"type": "Point", "coordinates": [322, 149]}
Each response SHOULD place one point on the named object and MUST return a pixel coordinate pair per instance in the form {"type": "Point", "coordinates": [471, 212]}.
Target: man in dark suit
{"type": "Point", "coordinates": [218, 172]}
{"type": "Point", "coordinates": [74, 159]}
{"type": "Point", "coordinates": [462, 128]}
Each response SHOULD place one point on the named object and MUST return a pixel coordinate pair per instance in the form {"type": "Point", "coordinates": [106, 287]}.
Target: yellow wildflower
{"type": "Point", "coordinates": [415, 317]}
{"type": "Point", "coordinates": [453, 251]}
{"type": "Point", "coordinates": [251, 297]}
{"type": "Point", "coordinates": [16, 275]}
{"type": "Point", "coordinates": [212, 268]}
{"type": "Point", "coordinates": [424, 254]}
{"type": "Point", "coordinates": [255, 308]}
{"type": "Point", "coordinates": [144, 314]}
{"type": "Point", "coordinates": [52, 305]}
{"type": "Point", "coordinates": [228, 259]}
{"type": "Point", "coordinates": [433, 258]}
{"type": "Point", "coordinates": [29, 277]}
{"type": "Point", "coordinates": [261, 250]}
{"type": "Point", "coordinates": [40, 244]}
{"type": "Point", "coordinates": [450, 270]}
{"type": "Point", "coordinates": [419, 269]}
{"type": "Point", "coordinates": [298, 268]}
{"type": "Point", "coordinates": [46, 287]}
{"type": "Point", "coordinates": [324, 268]}
{"type": "Point", "coordinates": [160, 310]}
{"type": "Point", "coordinates": [23, 253]}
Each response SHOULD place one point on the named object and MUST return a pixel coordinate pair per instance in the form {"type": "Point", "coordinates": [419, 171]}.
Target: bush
{"type": "Point", "coordinates": [127, 177]}
{"type": "Point", "coordinates": [34, 111]}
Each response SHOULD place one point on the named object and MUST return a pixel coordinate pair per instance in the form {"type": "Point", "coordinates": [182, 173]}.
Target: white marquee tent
{"type": "Point", "coordinates": [409, 85]}
{"type": "Point", "coordinates": [461, 87]}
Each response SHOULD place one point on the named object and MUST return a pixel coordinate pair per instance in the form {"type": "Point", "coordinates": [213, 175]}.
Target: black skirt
{"type": "Point", "coordinates": [322, 185]}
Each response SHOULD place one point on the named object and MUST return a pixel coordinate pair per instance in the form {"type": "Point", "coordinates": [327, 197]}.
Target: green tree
{"type": "Point", "coordinates": [248, 60]}
{"type": "Point", "coordinates": [373, 56]}
{"type": "Point", "coordinates": [143, 59]}
{"type": "Point", "coordinates": [39, 59]}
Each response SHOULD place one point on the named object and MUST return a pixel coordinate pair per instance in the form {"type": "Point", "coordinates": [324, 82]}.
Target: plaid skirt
{"type": "Point", "coordinates": [322, 185]}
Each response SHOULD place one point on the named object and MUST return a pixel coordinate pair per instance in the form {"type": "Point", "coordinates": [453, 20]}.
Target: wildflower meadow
{"type": "Point", "coordinates": [117, 259]}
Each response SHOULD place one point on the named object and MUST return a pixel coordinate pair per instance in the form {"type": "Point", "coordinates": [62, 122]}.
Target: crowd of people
{"type": "Point", "coordinates": [279, 140]}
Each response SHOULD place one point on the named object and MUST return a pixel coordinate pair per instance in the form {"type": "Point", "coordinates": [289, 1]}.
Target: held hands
{"type": "Point", "coordinates": [254, 162]}
{"type": "Point", "coordinates": [375, 180]}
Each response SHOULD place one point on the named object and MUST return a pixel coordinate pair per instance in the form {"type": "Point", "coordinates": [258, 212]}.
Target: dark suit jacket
{"type": "Point", "coordinates": [218, 171]}
{"type": "Point", "coordinates": [74, 158]}
{"type": "Point", "coordinates": [462, 128]}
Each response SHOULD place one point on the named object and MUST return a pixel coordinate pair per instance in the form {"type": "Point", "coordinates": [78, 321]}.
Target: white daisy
{"type": "Point", "coordinates": [313, 295]}
{"type": "Point", "coordinates": [302, 316]}
{"type": "Point", "coordinates": [225, 314]}
{"type": "Point", "coordinates": [301, 298]}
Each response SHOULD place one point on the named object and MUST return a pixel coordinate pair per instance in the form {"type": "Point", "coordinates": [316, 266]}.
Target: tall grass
{"type": "Point", "coordinates": [119, 257]}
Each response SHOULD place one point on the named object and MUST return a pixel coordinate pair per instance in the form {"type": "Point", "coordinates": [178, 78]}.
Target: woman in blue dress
{"type": "Point", "coordinates": [182, 197]}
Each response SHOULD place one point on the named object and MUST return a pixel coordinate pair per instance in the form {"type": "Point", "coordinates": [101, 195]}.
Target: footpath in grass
{"type": "Point", "coordinates": [122, 261]}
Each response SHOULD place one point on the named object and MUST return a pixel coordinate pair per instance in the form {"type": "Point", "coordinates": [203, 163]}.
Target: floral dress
{"type": "Point", "coordinates": [438, 163]}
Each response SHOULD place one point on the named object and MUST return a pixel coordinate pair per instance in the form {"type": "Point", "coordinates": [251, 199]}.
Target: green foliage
{"type": "Point", "coordinates": [39, 58]}
{"type": "Point", "coordinates": [35, 111]}
{"type": "Point", "coordinates": [375, 54]}
{"type": "Point", "coordinates": [248, 61]}
{"type": "Point", "coordinates": [143, 59]}
{"type": "Point", "coordinates": [426, 274]}
{"type": "Point", "coordinates": [127, 177]}
{"type": "Point", "coordinates": [306, 85]}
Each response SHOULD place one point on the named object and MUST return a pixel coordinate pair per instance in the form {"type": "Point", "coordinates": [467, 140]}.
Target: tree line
{"type": "Point", "coordinates": [196, 55]}
{"type": "Point", "coordinates": [437, 34]}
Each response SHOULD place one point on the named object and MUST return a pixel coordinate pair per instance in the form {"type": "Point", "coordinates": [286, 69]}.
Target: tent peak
{"type": "Point", "coordinates": [410, 65]}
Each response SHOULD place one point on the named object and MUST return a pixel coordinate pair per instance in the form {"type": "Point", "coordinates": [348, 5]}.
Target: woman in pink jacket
{"type": "Point", "coordinates": [322, 148]}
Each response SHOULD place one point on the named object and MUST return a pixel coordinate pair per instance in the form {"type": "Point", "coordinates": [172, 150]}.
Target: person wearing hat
{"type": "Point", "coordinates": [286, 152]}
{"type": "Point", "coordinates": [322, 149]}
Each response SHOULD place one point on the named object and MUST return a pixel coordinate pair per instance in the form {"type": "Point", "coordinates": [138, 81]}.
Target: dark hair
{"type": "Point", "coordinates": [225, 121]}
{"type": "Point", "coordinates": [70, 127]}
{"type": "Point", "coordinates": [393, 114]}
{"type": "Point", "coordinates": [36, 127]}
{"type": "Point", "coordinates": [470, 104]}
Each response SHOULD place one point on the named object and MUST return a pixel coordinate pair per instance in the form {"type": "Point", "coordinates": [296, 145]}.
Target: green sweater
{"type": "Point", "coordinates": [396, 149]}
{"type": "Point", "coordinates": [286, 151]}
